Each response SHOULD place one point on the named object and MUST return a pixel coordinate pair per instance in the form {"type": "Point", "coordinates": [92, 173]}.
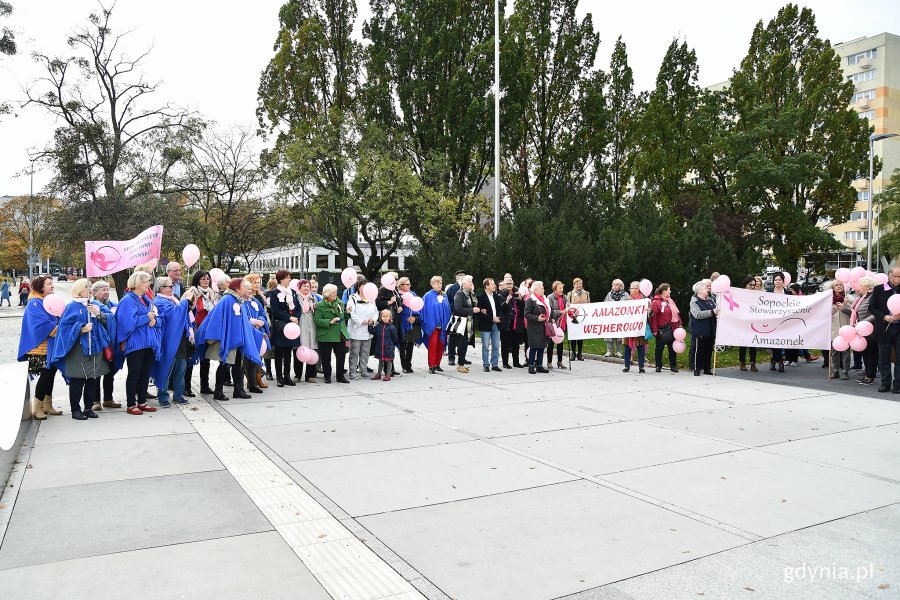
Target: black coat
{"type": "Point", "coordinates": [486, 315]}
{"type": "Point", "coordinates": [384, 296]}
{"type": "Point", "coordinates": [536, 336]}
{"type": "Point", "coordinates": [281, 315]}
{"type": "Point", "coordinates": [451, 294]}
{"type": "Point", "coordinates": [878, 307]}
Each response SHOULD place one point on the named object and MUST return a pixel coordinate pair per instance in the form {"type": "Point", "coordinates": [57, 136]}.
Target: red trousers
{"type": "Point", "coordinates": [435, 349]}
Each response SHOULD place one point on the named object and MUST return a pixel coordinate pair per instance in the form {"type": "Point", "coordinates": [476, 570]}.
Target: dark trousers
{"type": "Point", "coordinates": [559, 352]}
{"type": "Point", "coordinates": [535, 357]}
{"type": "Point", "coordinates": [658, 354]}
{"type": "Point", "coordinates": [742, 354]}
{"type": "Point", "coordinates": [283, 362]}
{"type": "Point", "coordinates": [889, 340]}
{"type": "Point", "coordinates": [870, 356]}
{"type": "Point", "coordinates": [641, 351]}
{"type": "Point", "coordinates": [139, 364]}
{"type": "Point", "coordinates": [108, 387]}
{"type": "Point", "coordinates": [703, 349]}
{"type": "Point", "coordinates": [204, 374]}
{"type": "Point", "coordinates": [406, 352]}
{"type": "Point", "coordinates": [326, 349]}
{"type": "Point", "coordinates": [509, 345]}
{"type": "Point", "coordinates": [462, 346]}
{"type": "Point", "coordinates": [90, 388]}
{"type": "Point", "coordinates": [235, 371]}
{"type": "Point", "coordinates": [576, 347]}
{"type": "Point", "coordinates": [44, 385]}
{"type": "Point", "coordinates": [250, 369]}
{"type": "Point", "coordinates": [451, 347]}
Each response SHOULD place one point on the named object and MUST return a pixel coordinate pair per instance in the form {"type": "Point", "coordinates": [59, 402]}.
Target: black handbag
{"type": "Point", "coordinates": [278, 327]}
{"type": "Point", "coordinates": [666, 334]}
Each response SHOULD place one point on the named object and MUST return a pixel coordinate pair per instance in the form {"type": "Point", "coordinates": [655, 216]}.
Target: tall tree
{"type": "Point", "coordinates": [7, 37]}
{"type": "Point", "coordinates": [112, 152]}
{"type": "Point", "coordinates": [436, 58]}
{"type": "Point", "coordinates": [547, 56]}
{"type": "Point", "coordinates": [889, 218]}
{"type": "Point", "coordinates": [797, 145]}
{"type": "Point", "coordinates": [623, 108]}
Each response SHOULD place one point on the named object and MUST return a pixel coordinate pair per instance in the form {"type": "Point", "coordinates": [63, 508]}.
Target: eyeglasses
{"type": "Point", "coordinates": [164, 286]}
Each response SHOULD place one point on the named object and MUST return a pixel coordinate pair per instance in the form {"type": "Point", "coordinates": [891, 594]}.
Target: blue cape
{"type": "Point", "coordinates": [112, 327]}
{"type": "Point", "coordinates": [434, 313]}
{"type": "Point", "coordinates": [132, 325]}
{"type": "Point", "coordinates": [232, 330]}
{"type": "Point", "coordinates": [37, 324]}
{"type": "Point", "coordinates": [175, 327]}
{"type": "Point", "coordinates": [73, 319]}
{"type": "Point", "coordinates": [406, 326]}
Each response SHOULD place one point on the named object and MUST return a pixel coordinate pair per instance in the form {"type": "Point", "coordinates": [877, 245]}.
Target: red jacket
{"type": "Point", "coordinates": [661, 315]}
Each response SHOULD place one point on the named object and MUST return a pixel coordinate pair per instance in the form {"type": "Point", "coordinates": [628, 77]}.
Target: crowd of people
{"type": "Point", "coordinates": [162, 327]}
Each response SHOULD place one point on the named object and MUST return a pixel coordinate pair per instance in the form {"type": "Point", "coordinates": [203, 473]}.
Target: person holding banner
{"type": "Point", "coordinates": [635, 345]}
{"type": "Point", "coordinates": [887, 328]}
{"type": "Point", "coordinates": [537, 313]}
{"type": "Point", "coordinates": [435, 316]}
{"type": "Point", "coordinates": [749, 284]}
{"type": "Point", "coordinates": [138, 334]}
{"type": "Point", "coordinates": [615, 346]}
{"type": "Point", "coordinates": [703, 327]}
{"type": "Point", "coordinates": [840, 316]}
{"type": "Point", "coordinates": [664, 320]}
{"type": "Point", "coordinates": [578, 295]}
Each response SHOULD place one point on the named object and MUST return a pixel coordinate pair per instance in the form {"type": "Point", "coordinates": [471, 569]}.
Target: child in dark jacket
{"type": "Point", "coordinates": [385, 340]}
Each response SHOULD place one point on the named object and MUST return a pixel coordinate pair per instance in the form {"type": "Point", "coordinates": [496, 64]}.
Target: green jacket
{"type": "Point", "coordinates": [325, 330]}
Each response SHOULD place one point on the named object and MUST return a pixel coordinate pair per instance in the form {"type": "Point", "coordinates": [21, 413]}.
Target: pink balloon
{"type": "Point", "coordinates": [865, 328]}
{"type": "Point", "coordinates": [558, 339]}
{"type": "Point", "coordinates": [54, 305]}
{"type": "Point", "coordinates": [151, 264]}
{"type": "Point", "coordinates": [301, 353]}
{"type": "Point", "coordinates": [263, 347]}
{"type": "Point", "coordinates": [893, 304]}
{"type": "Point", "coordinates": [370, 292]}
{"type": "Point", "coordinates": [680, 334]}
{"type": "Point", "coordinates": [293, 285]}
{"type": "Point", "coordinates": [215, 275]}
{"type": "Point", "coordinates": [646, 287]}
{"type": "Point", "coordinates": [787, 278]}
{"type": "Point", "coordinates": [292, 331]}
{"type": "Point", "coordinates": [190, 254]}
{"type": "Point", "coordinates": [857, 272]}
{"type": "Point", "coordinates": [848, 332]}
{"type": "Point", "coordinates": [881, 278]}
{"type": "Point", "coordinates": [678, 346]}
{"type": "Point", "coordinates": [388, 281]}
{"type": "Point", "coordinates": [407, 298]}
{"type": "Point", "coordinates": [868, 274]}
{"type": "Point", "coordinates": [416, 304]}
{"type": "Point", "coordinates": [348, 277]}
{"type": "Point", "coordinates": [858, 343]}
{"type": "Point", "coordinates": [523, 291]}
{"type": "Point", "coordinates": [840, 344]}
{"type": "Point", "coordinates": [722, 283]}
{"type": "Point", "coordinates": [312, 357]}
{"type": "Point", "coordinates": [842, 275]}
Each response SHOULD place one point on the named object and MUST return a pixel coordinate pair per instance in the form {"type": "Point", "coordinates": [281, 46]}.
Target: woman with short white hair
{"type": "Point", "coordinates": [617, 293]}
{"type": "Point", "coordinates": [537, 312]}
{"type": "Point", "coordinates": [859, 311]}
{"type": "Point", "coordinates": [138, 333]}
{"type": "Point", "coordinates": [331, 332]}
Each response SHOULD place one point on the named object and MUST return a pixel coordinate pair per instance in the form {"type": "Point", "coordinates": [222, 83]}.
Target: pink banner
{"type": "Point", "coordinates": [106, 258]}
{"type": "Point", "coordinates": [766, 320]}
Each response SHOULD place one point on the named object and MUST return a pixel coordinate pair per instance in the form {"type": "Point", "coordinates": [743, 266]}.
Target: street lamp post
{"type": "Point", "coordinates": [872, 139]}
{"type": "Point", "coordinates": [496, 119]}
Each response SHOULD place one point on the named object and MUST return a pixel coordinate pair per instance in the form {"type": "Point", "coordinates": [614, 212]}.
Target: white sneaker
{"type": "Point", "coordinates": [607, 354]}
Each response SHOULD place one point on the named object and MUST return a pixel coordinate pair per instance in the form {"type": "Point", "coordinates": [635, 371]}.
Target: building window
{"type": "Point", "coordinates": [867, 114]}
{"type": "Point", "coordinates": [393, 263]}
{"type": "Point", "coordinates": [866, 95]}
{"type": "Point", "coordinates": [321, 261]}
{"type": "Point", "coordinates": [862, 195]}
{"type": "Point", "coordinates": [858, 78]}
{"type": "Point", "coordinates": [855, 59]}
{"type": "Point", "coordinates": [856, 235]}
{"type": "Point", "coordinates": [857, 215]}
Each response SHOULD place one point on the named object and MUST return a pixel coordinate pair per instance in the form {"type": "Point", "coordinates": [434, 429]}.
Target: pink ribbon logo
{"type": "Point", "coordinates": [732, 303]}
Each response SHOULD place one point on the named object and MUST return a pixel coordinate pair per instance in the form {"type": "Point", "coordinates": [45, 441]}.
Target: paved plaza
{"type": "Point", "coordinates": [580, 484]}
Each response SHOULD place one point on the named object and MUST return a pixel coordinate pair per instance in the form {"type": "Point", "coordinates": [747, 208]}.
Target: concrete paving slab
{"type": "Point", "coordinates": [257, 565]}
{"type": "Point", "coordinates": [865, 412]}
{"type": "Point", "coordinates": [308, 410]}
{"type": "Point", "coordinates": [760, 492]}
{"type": "Point", "coordinates": [433, 400]}
{"type": "Point", "coordinates": [645, 404]}
{"type": "Point", "coordinates": [615, 447]}
{"type": "Point", "coordinates": [100, 518]}
{"type": "Point", "coordinates": [512, 419]}
{"type": "Point", "coordinates": [323, 439]}
{"type": "Point", "coordinates": [300, 391]}
{"type": "Point", "coordinates": [385, 481]}
{"type": "Point", "coordinates": [112, 424]}
{"type": "Point", "coordinates": [77, 463]}
{"type": "Point", "coordinates": [753, 391]}
{"type": "Point", "coordinates": [754, 425]}
{"type": "Point", "coordinates": [872, 450]}
{"type": "Point", "coordinates": [548, 387]}
{"type": "Point", "coordinates": [542, 543]}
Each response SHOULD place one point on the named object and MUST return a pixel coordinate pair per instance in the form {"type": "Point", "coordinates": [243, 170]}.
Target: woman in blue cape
{"type": "Point", "coordinates": [227, 336]}
{"type": "Point", "coordinates": [435, 315]}
{"type": "Point", "coordinates": [175, 344]}
{"type": "Point", "coordinates": [35, 343]}
{"type": "Point", "coordinates": [100, 291]}
{"type": "Point", "coordinates": [138, 333]}
{"type": "Point", "coordinates": [256, 311]}
{"type": "Point", "coordinates": [84, 333]}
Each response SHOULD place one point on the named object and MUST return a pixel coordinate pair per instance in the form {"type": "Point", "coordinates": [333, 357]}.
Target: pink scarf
{"type": "Point", "coordinates": [307, 302]}
{"type": "Point", "coordinates": [286, 295]}
{"type": "Point", "coordinates": [854, 317]}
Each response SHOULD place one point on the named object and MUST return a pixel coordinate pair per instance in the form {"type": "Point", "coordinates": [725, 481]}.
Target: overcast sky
{"type": "Point", "coordinates": [209, 55]}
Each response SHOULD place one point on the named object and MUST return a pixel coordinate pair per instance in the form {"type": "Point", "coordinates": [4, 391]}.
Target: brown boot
{"type": "Point", "coordinates": [259, 380]}
{"type": "Point", "coordinates": [753, 368]}
{"type": "Point", "coordinates": [111, 404]}
{"type": "Point", "coordinates": [48, 407]}
{"type": "Point", "coordinates": [743, 366]}
{"type": "Point", "coordinates": [37, 410]}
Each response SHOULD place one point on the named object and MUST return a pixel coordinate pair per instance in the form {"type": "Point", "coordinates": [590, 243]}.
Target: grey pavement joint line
{"type": "Point", "coordinates": [14, 483]}
{"type": "Point", "coordinates": [345, 567]}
